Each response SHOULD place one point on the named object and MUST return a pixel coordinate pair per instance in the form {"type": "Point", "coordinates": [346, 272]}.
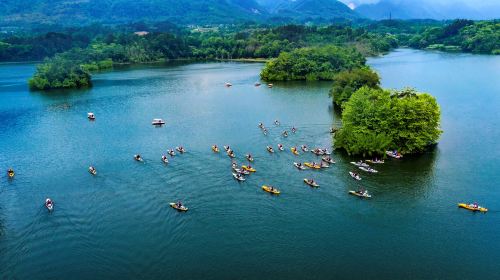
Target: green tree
{"type": "Point", "coordinates": [345, 83]}
{"type": "Point", "coordinates": [375, 120]}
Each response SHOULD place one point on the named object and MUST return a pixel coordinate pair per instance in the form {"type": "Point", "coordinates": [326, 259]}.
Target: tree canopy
{"type": "Point", "coordinates": [345, 83]}
{"type": "Point", "coordinates": [315, 63]}
{"type": "Point", "coordinates": [375, 120]}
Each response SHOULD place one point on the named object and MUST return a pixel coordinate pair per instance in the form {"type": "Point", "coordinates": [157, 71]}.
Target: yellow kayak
{"type": "Point", "coordinates": [294, 151]}
{"type": "Point", "coordinates": [310, 165]}
{"type": "Point", "coordinates": [250, 169]}
{"type": "Point", "coordinates": [182, 208]}
{"type": "Point", "coordinates": [269, 190]}
{"type": "Point", "coordinates": [215, 149]}
{"type": "Point", "coordinates": [472, 208]}
{"type": "Point", "coordinates": [11, 174]}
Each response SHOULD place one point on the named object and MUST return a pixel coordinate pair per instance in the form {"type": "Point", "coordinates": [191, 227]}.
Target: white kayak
{"type": "Point", "coordinates": [354, 176]}
{"type": "Point", "coordinates": [393, 155]}
{"type": "Point", "coordinates": [300, 167]}
{"type": "Point", "coordinates": [328, 160]}
{"type": "Point", "coordinates": [360, 194]}
{"type": "Point", "coordinates": [368, 169]}
{"type": "Point", "coordinates": [360, 163]}
{"type": "Point", "coordinates": [239, 178]}
{"type": "Point", "coordinates": [49, 204]}
{"type": "Point", "coordinates": [164, 159]}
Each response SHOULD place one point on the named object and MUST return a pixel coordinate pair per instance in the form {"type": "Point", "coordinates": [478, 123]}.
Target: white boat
{"type": "Point", "coordinates": [241, 171]}
{"type": "Point", "coordinates": [180, 149]}
{"type": "Point", "coordinates": [311, 183]}
{"type": "Point", "coordinates": [355, 176]}
{"type": "Point", "coordinates": [378, 161]}
{"type": "Point", "coordinates": [138, 157]}
{"type": "Point", "coordinates": [49, 204]}
{"type": "Point", "coordinates": [238, 177]}
{"type": "Point", "coordinates": [229, 85]}
{"type": "Point", "coordinates": [328, 160]}
{"type": "Point", "coordinates": [164, 159]}
{"type": "Point", "coordinates": [368, 169]}
{"type": "Point", "coordinates": [270, 85]}
{"type": "Point", "coordinates": [280, 147]}
{"type": "Point", "coordinates": [171, 153]}
{"type": "Point", "coordinates": [304, 148]}
{"type": "Point", "coordinates": [92, 170]}
{"type": "Point", "coordinates": [90, 116]}
{"type": "Point", "coordinates": [299, 166]}
{"type": "Point", "coordinates": [158, 122]}
{"type": "Point", "coordinates": [317, 152]}
{"type": "Point", "coordinates": [360, 163]}
{"type": "Point", "coordinates": [393, 155]}
{"type": "Point", "coordinates": [360, 194]}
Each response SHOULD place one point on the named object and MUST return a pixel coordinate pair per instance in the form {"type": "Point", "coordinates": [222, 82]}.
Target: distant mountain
{"type": "Point", "coordinates": [308, 10]}
{"type": "Point", "coordinates": [431, 9]}
{"type": "Point", "coordinates": [82, 12]}
{"type": "Point", "coordinates": [73, 12]}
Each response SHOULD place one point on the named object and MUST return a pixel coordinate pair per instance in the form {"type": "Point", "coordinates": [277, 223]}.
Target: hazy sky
{"type": "Point", "coordinates": [476, 3]}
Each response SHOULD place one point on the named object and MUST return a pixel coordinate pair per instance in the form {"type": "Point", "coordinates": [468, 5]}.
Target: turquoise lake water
{"type": "Point", "coordinates": [118, 224]}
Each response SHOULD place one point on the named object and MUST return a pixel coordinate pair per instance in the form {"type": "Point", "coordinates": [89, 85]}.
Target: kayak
{"type": "Point", "coordinates": [328, 160]}
{"type": "Point", "coordinates": [326, 152]}
{"type": "Point", "coordinates": [241, 171]}
{"type": "Point", "coordinates": [268, 189]}
{"type": "Point", "coordinates": [294, 151]}
{"type": "Point", "coordinates": [137, 157]}
{"type": "Point", "coordinates": [249, 157]}
{"type": "Point", "coordinates": [238, 178]}
{"type": "Point", "coordinates": [354, 176]}
{"type": "Point", "coordinates": [231, 155]}
{"type": "Point", "coordinates": [180, 150]}
{"type": "Point", "coordinates": [472, 208]}
{"type": "Point", "coordinates": [323, 165]}
{"type": "Point", "coordinates": [280, 147]}
{"type": "Point", "coordinates": [11, 174]}
{"type": "Point", "coordinates": [226, 148]}
{"type": "Point", "coordinates": [215, 149]}
{"type": "Point", "coordinates": [304, 148]}
{"type": "Point", "coordinates": [368, 169]}
{"type": "Point", "coordinates": [300, 167]}
{"type": "Point", "coordinates": [374, 161]}
{"type": "Point", "coordinates": [317, 152]}
{"type": "Point", "coordinates": [251, 169]}
{"type": "Point", "coordinates": [312, 184]}
{"type": "Point", "coordinates": [182, 208]}
{"type": "Point", "coordinates": [164, 159]}
{"type": "Point", "coordinates": [391, 154]}
{"type": "Point", "coordinates": [49, 204]}
{"type": "Point", "coordinates": [92, 171]}
{"type": "Point", "coordinates": [270, 149]}
{"type": "Point", "coordinates": [360, 164]}
{"type": "Point", "coordinates": [363, 195]}
{"type": "Point", "coordinates": [171, 153]}
{"type": "Point", "coordinates": [310, 165]}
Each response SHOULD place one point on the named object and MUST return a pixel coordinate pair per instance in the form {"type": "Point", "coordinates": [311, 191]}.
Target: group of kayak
{"type": "Point", "coordinates": [164, 158]}
{"type": "Point", "coordinates": [364, 166]}
{"type": "Point", "coordinates": [276, 123]}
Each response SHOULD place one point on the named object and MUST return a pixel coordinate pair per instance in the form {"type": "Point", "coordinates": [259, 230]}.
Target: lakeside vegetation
{"type": "Point", "coordinates": [319, 51]}
{"type": "Point", "coordinates": [375, 120]}
{"type": "Point", "coordinates": [312, 64]}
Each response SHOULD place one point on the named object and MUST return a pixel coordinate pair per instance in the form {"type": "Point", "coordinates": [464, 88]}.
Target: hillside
{"type": "Point", "coordinates": [84, 12]}
{"type": "Point", "coordinates": [78, 12]}
{"type": "Point", "coordinates": [308, 10]}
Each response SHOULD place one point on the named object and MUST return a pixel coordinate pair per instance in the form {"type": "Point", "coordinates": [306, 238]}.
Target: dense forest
{"type": "Point", "coordinates": [90, 54]}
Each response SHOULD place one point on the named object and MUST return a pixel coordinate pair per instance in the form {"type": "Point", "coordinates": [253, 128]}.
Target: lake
{"type": "Point", "coordinates": [118, 224]}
